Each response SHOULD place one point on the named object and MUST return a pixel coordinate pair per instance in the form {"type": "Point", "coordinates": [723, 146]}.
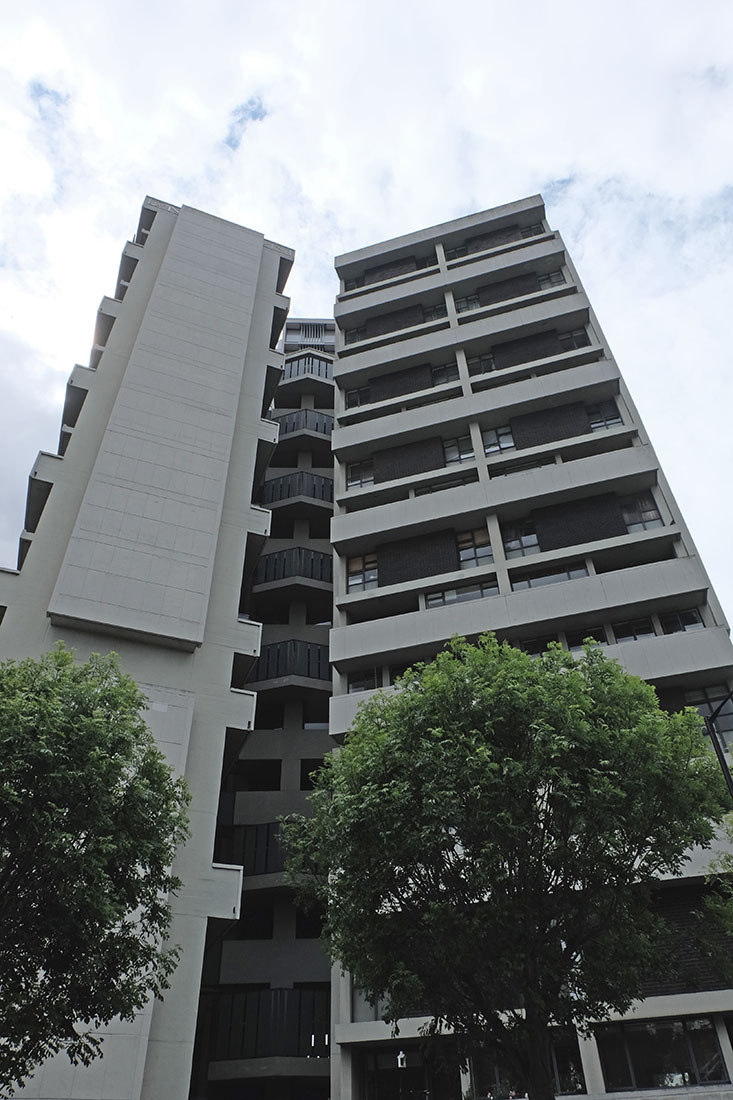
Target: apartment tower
{"type": "Point", "coordinates": [492, 473]}
{"type": "Point", "coordinates": [140, 533]}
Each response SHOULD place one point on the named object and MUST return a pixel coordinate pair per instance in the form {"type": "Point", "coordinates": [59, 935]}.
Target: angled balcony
{"type": "Point", "coordinates": [304, 429]}
{"type": "Point", "coordinates": [293, 668]}
{"type": "Point", "coordinates": [301, 492]}
{"type": "Point", "coordinates": [306, 373]}
{"type": "Point", "coordinates": [294, 574]}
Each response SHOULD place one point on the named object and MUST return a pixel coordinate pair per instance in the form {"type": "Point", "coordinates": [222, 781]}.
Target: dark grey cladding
{"type": "Point", "coordinates": [508, 288]}
{"type": "Point", "coordinates": [539, 346]}
{"type": "Point", "coordinates": [409, 380]}
{"type": "Point", "coordinates": [414, 458]}
{"type": "Point", "coordinates": [391, 322]}
{"type": "Point", "coordinates": [579, 521]}
{"type": "Point", "coordinates": [390, 270]}
{"type": "Point", "coordinates": [561, 422]}
{"type": "Point", "coordinates": [425, 556]}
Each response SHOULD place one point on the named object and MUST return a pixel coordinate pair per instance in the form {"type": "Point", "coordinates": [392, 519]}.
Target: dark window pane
{"type": "Point", "coordinates": [612, 1052]}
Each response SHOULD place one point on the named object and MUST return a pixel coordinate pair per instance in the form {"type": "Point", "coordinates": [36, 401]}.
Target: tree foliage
{"type": "Point", "coordinates": [90, 819]}
{"type": "Point", "coordinates": [487, 839]}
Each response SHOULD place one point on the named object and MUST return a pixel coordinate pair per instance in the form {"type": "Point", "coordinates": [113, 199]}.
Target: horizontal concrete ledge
{"type": "Point", "coordinates": [113, 630]}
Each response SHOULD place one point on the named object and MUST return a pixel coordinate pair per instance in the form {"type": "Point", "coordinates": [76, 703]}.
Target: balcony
{"type": "Point", "coordinates": [306, 373]}
{"type": "Point", "coordinates": [387, 323]}
{"type": "Point", "coordinates": [308, 494]}
{"type": "Point", "coordinates": [296, 561]}
{"type": "Point", "coordinates": [293, 574]}
{"type": "Point", "coordinates": [256, 848]}
{"type": "Point", "coordinates": [291, 664]}
{"type": "Point", "coordinates": [302, 429]}
{"type": "Point", "coordinates": [269, 1023]}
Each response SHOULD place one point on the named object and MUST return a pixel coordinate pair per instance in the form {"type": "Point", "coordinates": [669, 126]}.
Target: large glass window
{"type": "Point", "coordinates": [498, 439]}
{"type": "Point", "coordinates": [551, 278]}
{"type": "Point", "coordinates": [603, 414]}
{"type": "Point", "coordinates": [520, 539]}
{"type": "Point", "coordinates": [457, 450]}
{"type": "Point", "coordinates": [366, 680]}
{"type": "Point", "coordinates": [675, 622]}
{"type": "Point", "coordinates": [361, 573]}
{"type": "Point", "coordinates": [576, 338]}
{"type": "Point", "coordinates": [633, 629]}
{"type": "Point", "coordinates": [354, 398]}
{"type": "Point", "coordinates": [474, 548]}
{"type": "Point", "coordinates": [446, 372]}
{"type": "Point", "coordinates": [640, 512]}
{"type": "Point", "coordinates": [552, 575]}
{"type": "Point", "coordinates": [358, 474]}
{"type": "Point", "coordinates": [459, 595]}
{"type": "Point", "coordinates": [660, 1054]}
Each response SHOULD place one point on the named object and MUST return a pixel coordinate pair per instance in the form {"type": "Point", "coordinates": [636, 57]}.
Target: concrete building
{"type": "Point", "coordinates": [492, 473]}
{"type": "Point", "coordinates": [264, 1016]}
{"type": "Point", "coordinates": [139, 535]}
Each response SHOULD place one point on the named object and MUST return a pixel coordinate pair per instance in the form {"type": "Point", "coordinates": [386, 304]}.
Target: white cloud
{"type": "Point", "coordinates": [357, 120]}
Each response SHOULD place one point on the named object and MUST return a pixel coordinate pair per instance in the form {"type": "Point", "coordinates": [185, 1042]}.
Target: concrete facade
{"type": "Point", "coordinates": [492, 473]}
{"type": "Point", "coordinates": [137, 537]}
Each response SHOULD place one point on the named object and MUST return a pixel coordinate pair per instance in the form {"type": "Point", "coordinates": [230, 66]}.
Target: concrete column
{"type": "Point", "coordinates": [591, 1064]}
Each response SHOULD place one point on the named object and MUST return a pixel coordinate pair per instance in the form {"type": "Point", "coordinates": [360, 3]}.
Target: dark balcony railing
{"type": "Point", "coordinates": [296, 561]}
{"type": "Point", "coordinates": [267, 1023]}
{"type": "Point", "coordinates": [308, 364]}
{"type": "Point", "coordinates": [255, 847]}
{"type": "Point", "coordinates": [291, 658]}
{"type": "Point", "coordinates": [300, 484]}
{"type": "Point", "coordinates": [299, 420]}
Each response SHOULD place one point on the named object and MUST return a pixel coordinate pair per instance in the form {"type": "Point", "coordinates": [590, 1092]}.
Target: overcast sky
{"type": "Point", "coordinates": [330, 125]}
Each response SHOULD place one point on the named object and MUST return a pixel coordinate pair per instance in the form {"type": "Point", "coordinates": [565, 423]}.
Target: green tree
{"type": "Point", "coordinates": [90, 819]}
{"type": "Point", "coordinates": [487, 840]}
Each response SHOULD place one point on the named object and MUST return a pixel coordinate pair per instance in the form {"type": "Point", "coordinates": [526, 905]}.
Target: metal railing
{"type": "Point", "coordinates": [298, 420]}
{"type": "Point", "coordinates": [296, 561]}
{"type": "Point", "coordinates": [291, 658]}
{"type": "Point", "coordinates": [267, 1023]}
{"type": "Point", "coordinates": [308, 364]}
{"type": "Point", "coordinates": [256, 848]}
{"type": "Point", "coordinates": [300, 484]}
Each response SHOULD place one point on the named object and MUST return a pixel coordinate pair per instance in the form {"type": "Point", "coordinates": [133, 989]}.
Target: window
{"type": "Point", "coordinates": [576, 338]}
{"type": "Point", "coordinates": [432, 313]}
{"type": "Point", "coordinates": [552, 278]}
{"type": "Point", "coordinates": [353, 334]}
{"type": "Point", "coordinates": [474, 548]}
{"type": "Point", "coordinates": [457, 450]}
{"type": "Point", "coordinates": [521, 465]}
{"type": "Point", "coordinates": [574, 639]}
{"type": "Point", "coordinates": [640, 512]}
{"type": "Point", "coordinates": [532, 230]}
{"type": "Point", "coordinates": [535, 646]}
{"type": "Point", "coordinates": [660, 1054]}
{"type": "Point", "coordinates": [498, 439]}
{"type": "Point", "coordinates": [354, 398]}
{"type": "Point", "coordinates": [520, 539]}
{"type": "Point", "coordinates": [471, 301]}
{"type": "Point", "coordinates": [481, 364]}
{"type": "Point", "coordinates": [359, 474]}
{"type": "Point", "coordinates": [677, 621]}
{"type": "Point", "coordinates": [446, 483]}
{"type": "Point", "coordinates": [551, 575]}
{"type": "Point", "coordinates": [459, 595]}
{"type": "Point", "coordinates": [455, 253]}
{"type": "Point", "coordinates": [603, 414]}
{"type": "Point", "coordinates": [633, 629]}
{"type": "Point", "coordinates": [308, 768]}
{"type": "Point", "coordinates": [361, 573]}
{"type": "Point", "coordinates": [707, 700]}
{"type": "Point", "coordinates": [366, 680]}
{"type": "Point", "coordinates": [447, 372]}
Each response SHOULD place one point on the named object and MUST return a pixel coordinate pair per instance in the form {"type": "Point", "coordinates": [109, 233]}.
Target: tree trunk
{"type": "Point", "coordinates": [540, 1074]}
